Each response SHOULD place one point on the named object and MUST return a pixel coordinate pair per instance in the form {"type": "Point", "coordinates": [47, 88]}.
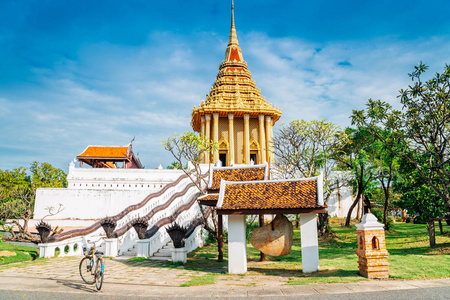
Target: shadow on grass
{"type": "Point", "coordinates": [426, 250]}
{"type": "Point", "coordinates": [331, 273]}
{"type": "Point", "coordinates": [203, 262]}
{"type": "Point", "coordinates": [280, 272]}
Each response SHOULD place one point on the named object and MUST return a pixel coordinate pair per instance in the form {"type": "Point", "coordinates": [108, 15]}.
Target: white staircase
{"type": "Point", "coordinates": [163, 254]}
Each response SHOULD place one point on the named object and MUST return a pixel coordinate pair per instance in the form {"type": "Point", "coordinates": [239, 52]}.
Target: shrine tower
{"type": "Point", "coordinates": [234, 114]}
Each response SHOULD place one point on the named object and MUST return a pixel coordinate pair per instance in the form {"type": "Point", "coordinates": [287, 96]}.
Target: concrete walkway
{"type": "Point", "coordinates": [147, 278]}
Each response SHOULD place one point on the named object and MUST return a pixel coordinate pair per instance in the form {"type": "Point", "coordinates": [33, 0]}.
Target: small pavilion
{"type": "Point", "coordinates": [234, 173]}
{"type": "Point", "coordinates": [296, 196]}
{"type": "Point", "coordinates": [110, 157]}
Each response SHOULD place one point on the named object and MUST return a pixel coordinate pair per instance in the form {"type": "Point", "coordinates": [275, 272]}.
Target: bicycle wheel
{"type": "Point", "coordinates": [98, 276]}
{"type": "Point", "coordinates": [86, 272]}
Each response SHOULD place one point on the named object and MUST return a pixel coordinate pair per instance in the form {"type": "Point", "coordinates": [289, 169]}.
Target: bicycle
{"type": "Point", "coordinates": [92, 267]}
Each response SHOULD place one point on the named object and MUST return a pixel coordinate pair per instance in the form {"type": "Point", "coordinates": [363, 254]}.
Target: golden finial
{"type": "Point", "coordinates": [233, 37]}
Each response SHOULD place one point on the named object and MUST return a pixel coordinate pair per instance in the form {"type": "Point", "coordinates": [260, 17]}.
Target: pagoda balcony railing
{"type": "Point", "coordinates": [225, 64]}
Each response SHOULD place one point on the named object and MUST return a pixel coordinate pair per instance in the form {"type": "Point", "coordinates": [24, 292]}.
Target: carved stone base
{"type": "Point", "coordinates": [179, 255]}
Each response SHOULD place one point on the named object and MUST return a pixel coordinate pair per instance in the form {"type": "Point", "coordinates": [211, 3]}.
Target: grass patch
{"type": "Point", "coordinates": [22, 253]}
{"type": "Point", "coordinates": [207, 279]}
{"type": "Point", "coordinates": [410, 257]}
{"type": "Point", "coordinates": [139, 259]}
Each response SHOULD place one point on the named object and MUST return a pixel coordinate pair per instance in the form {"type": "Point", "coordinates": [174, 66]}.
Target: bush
{"type": "Point", "coordinates": [377, 213]}
{"type": "Point", "coordinates": [249, 228]}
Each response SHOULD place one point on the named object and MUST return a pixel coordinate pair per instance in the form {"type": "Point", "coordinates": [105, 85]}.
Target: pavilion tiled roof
{"type": "Point", "coordinates": [256, 172]}
{"type": "Point", "coordinates": [209, 197]}
{"type": "Point", "coordinates": [269, 195]}
{"type": "Point", "coordinates": [105, 152]}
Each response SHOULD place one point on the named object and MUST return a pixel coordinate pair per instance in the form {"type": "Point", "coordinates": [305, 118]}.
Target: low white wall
{"type": "Point", "coordinates": [340, 201]}
{"type": "Point", "coordinates": [95, 193]}
{"type": "Point", "coordinates": [86, 204]}
{"type": "Point", "coordinates": [127, 179]}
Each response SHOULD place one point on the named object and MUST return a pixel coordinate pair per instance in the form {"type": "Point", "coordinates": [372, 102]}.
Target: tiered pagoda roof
{"type": "Point", "coordinates": [234, 90]}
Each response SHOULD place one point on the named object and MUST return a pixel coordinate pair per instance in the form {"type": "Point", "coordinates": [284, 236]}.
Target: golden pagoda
{"type": "Point", "coordinates": [234, 114]}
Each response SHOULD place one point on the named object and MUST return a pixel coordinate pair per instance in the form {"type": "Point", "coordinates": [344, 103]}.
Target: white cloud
{"type": "Point", "coordinates": [341, 76]}
{"type": "Point", "coordinates": [110, 93]}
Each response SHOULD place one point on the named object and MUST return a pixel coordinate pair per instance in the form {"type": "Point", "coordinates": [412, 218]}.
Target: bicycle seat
{"type": "Point", "coordinates": [96, 252]}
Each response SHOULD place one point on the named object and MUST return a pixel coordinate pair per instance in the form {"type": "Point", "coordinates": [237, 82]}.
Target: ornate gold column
{"type": "Point", "coordinates": [269, 152]}
{"type": "Point", "coordinates": [216, 135]}
{"type": "Point", "coordinates": [202, 133]}
{"type": "Point", "coordinates": [246, 139]}
{"type": "Point", "coordinates": [262, 139]}
{"type": "Point", "coordinates": [231, 138]}
{"type": "Point", "coordinates": [208, 136]}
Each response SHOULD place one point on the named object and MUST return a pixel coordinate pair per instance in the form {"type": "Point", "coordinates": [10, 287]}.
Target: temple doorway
{"type": "Point", "coordinates": [253, 157]}
{"type": "Point", "coordinates": [223, 159]}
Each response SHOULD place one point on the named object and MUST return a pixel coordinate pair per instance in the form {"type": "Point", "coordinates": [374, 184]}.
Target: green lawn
{"type": "Point", "coordinates": [409, 256]}
{"type": "Point", "coordinates": [22, 253]}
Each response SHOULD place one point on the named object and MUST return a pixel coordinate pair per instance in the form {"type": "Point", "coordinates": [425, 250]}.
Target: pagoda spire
{"type": "Point", "coordinates": [233, 41]}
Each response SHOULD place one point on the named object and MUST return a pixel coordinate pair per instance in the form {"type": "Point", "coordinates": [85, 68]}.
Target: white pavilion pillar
{"type": "Point", "coordinates": [237, 245]}
{"type": "Point", "coordinates": [309, 242]}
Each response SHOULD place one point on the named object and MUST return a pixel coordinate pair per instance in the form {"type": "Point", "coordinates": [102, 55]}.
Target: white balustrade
{"type": "Point", "coordinates": [73, 247]}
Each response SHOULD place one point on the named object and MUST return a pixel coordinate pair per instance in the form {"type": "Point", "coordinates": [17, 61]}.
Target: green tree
{"type": "Point", "coordinates": [44, 175]}
{"type": "Point", "coordinates": [175, 165]}
{"type": "Point", "coordinates": [358, 155]}
{"type": "Point", "coordinates": [421, 128]}
{"type": "Point", "coordinates": [187, 149]}
{"type": "Point", "coordinates": [416, 196]}
{"type": "Point", "coordinates": [18, 191]}
{"type": "Point", "coordinates": [386, 160]}
{"type": "Point", "coordinates": [306, 149]}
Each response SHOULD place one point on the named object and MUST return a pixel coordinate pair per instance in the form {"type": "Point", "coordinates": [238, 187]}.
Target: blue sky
{"type": "Point", "coordinates": [78, 73]}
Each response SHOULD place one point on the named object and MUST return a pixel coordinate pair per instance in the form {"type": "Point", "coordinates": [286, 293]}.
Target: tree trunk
{"type": "Point", "coordinates": [323, 223]}
{"type": "Point", "coordinates": [350, 210]}
{"type": "Point", "coordinates": [367, 202]}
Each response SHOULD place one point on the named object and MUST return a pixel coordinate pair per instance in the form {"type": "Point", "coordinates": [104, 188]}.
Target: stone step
{"type": "Point", "coordinates": [160, 258]}
{"type": "Point", "coordinates": [163, 253]}
{"type": "Point", "coordinates": [131, 252]}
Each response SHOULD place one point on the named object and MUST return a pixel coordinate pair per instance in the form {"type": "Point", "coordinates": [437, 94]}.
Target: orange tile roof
{"type": "Point", "coordinates": [237, 174]}
{"type": "Point", "coordinates": [269, 195]}
{"type": "Point", "coordinates": [105, 152]}
{"type": "Point", "coordinates": [209, 197]}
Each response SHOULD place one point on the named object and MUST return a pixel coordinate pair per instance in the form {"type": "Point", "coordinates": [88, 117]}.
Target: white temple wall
{"type": "Point", "coordinates": [127, 179]}
{"type": "Point", "coordinates": [96, 193]}
{"type": "Point", "coordinates": [340, 201]}
{"type": "Point", "coordinates": [86, 204]}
